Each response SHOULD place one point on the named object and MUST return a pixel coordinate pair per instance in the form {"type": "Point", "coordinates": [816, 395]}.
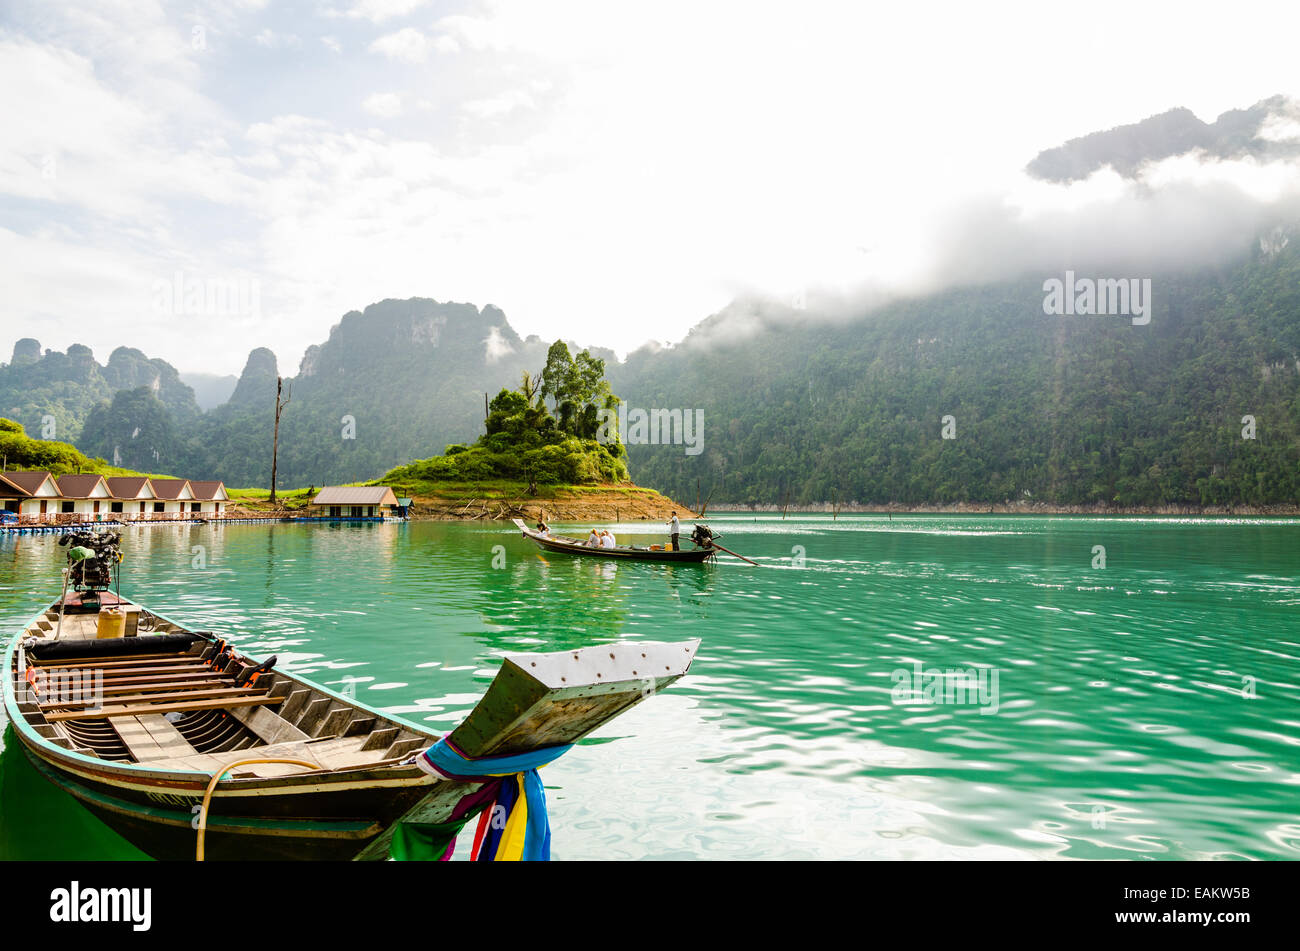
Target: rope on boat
{"type": "Point", "coordinates": [216, 778]}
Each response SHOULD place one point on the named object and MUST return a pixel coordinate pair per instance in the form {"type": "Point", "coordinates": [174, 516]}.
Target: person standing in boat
{"type": "Point", "coordinates": [674, 529]}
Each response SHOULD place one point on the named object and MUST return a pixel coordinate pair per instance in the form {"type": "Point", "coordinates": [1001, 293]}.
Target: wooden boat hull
{"type": "Point", "coordinates": [319, 826]}
{"type": "Point", "coordinates": [694, 556]}
{"type": "Point", "coordinates": [149, 787]}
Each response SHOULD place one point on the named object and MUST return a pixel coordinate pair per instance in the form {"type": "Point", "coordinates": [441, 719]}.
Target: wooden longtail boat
{"type": "Point", "coordinates": [573, 546]}
{"type": "Point", "coordinates": [136, 728]}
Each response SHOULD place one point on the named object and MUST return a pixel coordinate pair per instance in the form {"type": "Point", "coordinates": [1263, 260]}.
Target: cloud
{"type": "Point", "coordinates": [496, 346]}
{"type": "Point", "coordinates": [385, 105]}
{"type": "Point", "coordinates": [500, 105]}
{"type": "Point", "coordinates": [378, 11]}
{"type": "Point", "coordinates": [599, 173]}
{"type": "Point", "coordinates": [407, 45]}
{"type": "Point", "coordinates": [268, 38]}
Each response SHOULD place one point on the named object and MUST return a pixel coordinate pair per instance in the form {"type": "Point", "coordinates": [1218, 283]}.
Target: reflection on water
{"type": "Point", "coordinates": [1125, 723]}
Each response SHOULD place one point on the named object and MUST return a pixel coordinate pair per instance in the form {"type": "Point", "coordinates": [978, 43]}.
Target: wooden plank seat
{"type": "Point", "coordinates": [117, 673]}
{"type": "Point", "coordinates": [335, 753]}
{"type": "Point", "coordinates": [95, 701]}
{"type": "Point", "coordinates": [134, 661]}
{"type": "Point", "coordinates": [260, 699]}
{"type": "Point", "coordinates": [116, 689]}
{"type": "Point", "coordinates": [148, 667]}
{"type": "Point", "coordinates": [150, 737]}
{"type": "Point", "coordinates": [162, 678]}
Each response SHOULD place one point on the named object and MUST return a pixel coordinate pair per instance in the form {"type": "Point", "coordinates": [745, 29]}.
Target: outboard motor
{"type": "Point", "coordinates": [92, 559]}
{"type": "Point", "coordinates": [702, 536]}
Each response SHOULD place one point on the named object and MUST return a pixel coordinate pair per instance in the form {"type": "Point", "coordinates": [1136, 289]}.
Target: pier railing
{"type": "Point", "coordinates": [82, 518]}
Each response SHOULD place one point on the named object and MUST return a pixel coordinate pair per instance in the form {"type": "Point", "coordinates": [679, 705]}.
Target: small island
{"type": "Point", "coordinates": [551, 450]}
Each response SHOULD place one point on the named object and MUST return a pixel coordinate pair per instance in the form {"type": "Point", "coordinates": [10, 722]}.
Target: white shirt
{"type": "Point", "coordinates": [673, 527]}
{"type": "Point", "coordinates": [607, 541]}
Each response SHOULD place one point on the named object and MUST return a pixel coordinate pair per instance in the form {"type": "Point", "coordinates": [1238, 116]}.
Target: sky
{"type": "Point", "coordinates": [196, 179]}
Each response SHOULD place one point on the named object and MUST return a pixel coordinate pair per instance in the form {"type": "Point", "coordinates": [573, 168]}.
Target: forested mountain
{"type": "Point", "coordinates": [135, 430]}
{"type": "Point", "coordinates": [1069, 409]}
{"type": "Point", "coordinates": [52, 393]}
{"type": "Point", "coordinates": [795, 405]}
{"type": "Point", "coordinates": [396, 382]}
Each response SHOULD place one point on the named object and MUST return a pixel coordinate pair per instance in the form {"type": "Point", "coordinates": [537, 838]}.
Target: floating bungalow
{"type": "Point", "coordinates": [42, 498]}
{"type": "Point", "coordinates": [210, 497]}
{"type": "Point", "coordinates": [29, 494]}
{"type": "Point", "coordinates": [357, 501]}
{"type": "Point", "coordinates": [84, 495]}
{"type": "Point", "coordinates": [174, 496]}
{"type": "Point", "coordinates": [132, 495]}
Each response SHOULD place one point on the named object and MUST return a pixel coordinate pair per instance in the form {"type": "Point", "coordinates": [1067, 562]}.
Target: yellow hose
{"type": "Point", "coordinates": [216, 778]}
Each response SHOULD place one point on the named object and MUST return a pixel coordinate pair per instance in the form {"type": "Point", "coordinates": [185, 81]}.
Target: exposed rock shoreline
{"type": "Point", "coordinates": [587, 506]}
{"type": "Point", "coordinates": [623, 504]}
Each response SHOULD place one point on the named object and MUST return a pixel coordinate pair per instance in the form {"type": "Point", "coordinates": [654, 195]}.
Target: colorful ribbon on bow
{"type": "Point", "coordinates": [514, 827]}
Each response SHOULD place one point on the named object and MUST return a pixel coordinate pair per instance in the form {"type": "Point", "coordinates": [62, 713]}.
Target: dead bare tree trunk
{"type": "Point", "coordinates": [275, 439]}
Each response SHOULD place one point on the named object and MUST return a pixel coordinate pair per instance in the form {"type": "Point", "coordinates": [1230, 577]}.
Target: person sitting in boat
{"type": "Point", "coordinates": [607, 540]}
{"type": "Point", "coordinates": [593, 540]}
{"type": "Point", "coordinates": [543, 529]}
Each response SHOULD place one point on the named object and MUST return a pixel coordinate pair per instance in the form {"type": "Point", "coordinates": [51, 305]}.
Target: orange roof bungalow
{"type": "Point", "coordinates": [85, 494]}
{"type": "Point", "coordinates": [133, 496]}
{"type": "Point", "coordinates": [29, 493]}
{"type": "Point", "coordinates": [172, 496]}
{"type": "Point", "coordinates": [211, 497]}
{"type": "Point", "coordinates": [43, 496]}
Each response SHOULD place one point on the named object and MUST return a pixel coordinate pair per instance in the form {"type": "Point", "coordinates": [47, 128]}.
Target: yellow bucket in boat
{"type": "Point", "coordinates": [112, 623]}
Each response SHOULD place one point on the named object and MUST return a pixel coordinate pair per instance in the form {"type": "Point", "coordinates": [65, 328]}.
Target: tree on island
{"type": "Point", "coordinates": [578, 389]}
{"type": "Point", "coordinates": [529, 441]}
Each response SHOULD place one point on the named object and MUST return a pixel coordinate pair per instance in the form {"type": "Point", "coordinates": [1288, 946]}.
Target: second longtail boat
{"type": "Point", "coordinates": [705, 550]}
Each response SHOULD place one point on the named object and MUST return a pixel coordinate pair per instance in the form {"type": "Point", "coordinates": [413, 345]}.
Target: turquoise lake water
{"type": "Point", "coordinates": [1147, 709]}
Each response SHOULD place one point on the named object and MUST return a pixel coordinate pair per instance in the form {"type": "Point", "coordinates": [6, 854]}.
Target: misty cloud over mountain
{"type": "Point", "coordinates": [1169, 193]}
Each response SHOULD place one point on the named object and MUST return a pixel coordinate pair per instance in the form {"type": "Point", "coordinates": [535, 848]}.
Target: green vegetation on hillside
{"type": "Point", "coordinates": [796, 406]}
{"type": "Point", "coordinates": [1063, 410]}
{"type": "Point", "coordinates": [53, 393]}
{"type": "Point", "coordinates": [20, 451]}
{"type": "Point", "coordinates": [529, 443]}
